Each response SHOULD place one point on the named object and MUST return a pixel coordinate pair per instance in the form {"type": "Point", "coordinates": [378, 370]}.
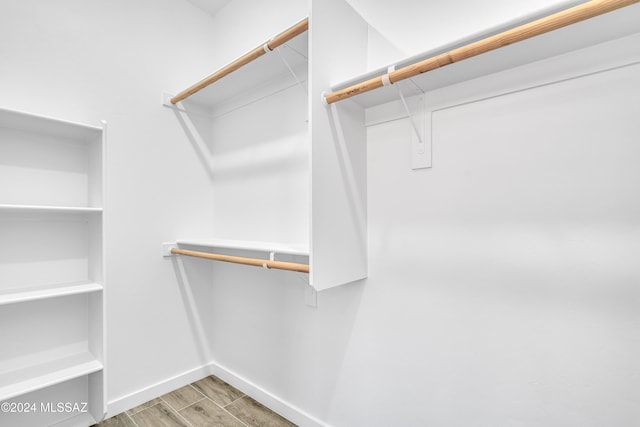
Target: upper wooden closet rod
{"type": "Point", "coordinates": [552, 22]}
{"type": "Point", "coordinates": [278, 40]}
{"type": "Point", "coordinates": [280, 265]}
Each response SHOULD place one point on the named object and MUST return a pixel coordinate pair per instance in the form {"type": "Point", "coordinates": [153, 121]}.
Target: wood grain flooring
{"type": "Point", "coordinates": [209, 402]}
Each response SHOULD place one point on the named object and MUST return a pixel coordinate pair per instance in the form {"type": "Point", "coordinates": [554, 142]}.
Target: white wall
{"type": "Point", "coordinates": [86, 61]}
{"type": "Point", "coordinates": [502, 288]}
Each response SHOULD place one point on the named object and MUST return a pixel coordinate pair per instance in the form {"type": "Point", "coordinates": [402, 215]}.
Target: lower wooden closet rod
{"type": "Point", "coordinates": [280, 265]}
{"type": "Point", "coordinates": [552, 22]}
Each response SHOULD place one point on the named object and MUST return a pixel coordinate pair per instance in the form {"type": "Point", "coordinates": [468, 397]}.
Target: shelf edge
{"type": "Point", "coordinates": [75, 369]}
{"type": "Point", "coordinates": [246, 246]}
{"type": "Point", "coordinates": [48, 292]}
{"type": "Point", "coordinates": [46, 208]}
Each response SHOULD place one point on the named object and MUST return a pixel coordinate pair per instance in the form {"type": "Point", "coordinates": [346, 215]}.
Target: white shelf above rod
{"type": "Point", "coordinates": [270, 45]}
{"type": "Point", "coordinates": [245, 245]}
{"type": "Point", "coordinates": [573, 15]}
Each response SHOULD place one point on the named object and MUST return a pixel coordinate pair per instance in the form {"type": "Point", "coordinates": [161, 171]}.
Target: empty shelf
{"type": "Point", "coordinates": [46, 125]}
{"type": "Point", "coordinates": [32, 293]}
{"type": "Point", "coordinates": [35, 377]}
{"type": "Point", "coordinates": [41, 208]}
{"type": "Point", "coordinates": [599, 29]}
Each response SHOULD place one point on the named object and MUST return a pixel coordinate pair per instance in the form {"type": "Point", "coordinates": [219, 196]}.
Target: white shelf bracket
{"type": "Point", "coordinates": [386, 80]}
{"type": "Point", "coordinates": [323, 97]}
{"type": "Point", "coordinates": [166, 248]}
{"type": "Point", "coordinates": [293, 73]}
{"type": "Point", "coordinates": [166, 100]}
{"type": "Point", "coordinates": [272, 257]}
{"type": "Point", "coordinates": [310, 296]}
{"type": "Point", "coordinates": [310, 293]}
{"type": "Point", "coordinates": [421, 132]}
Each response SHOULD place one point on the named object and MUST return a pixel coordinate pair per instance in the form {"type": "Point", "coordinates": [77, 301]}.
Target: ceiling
{"type": "Point", "coordinates": [210, 6]}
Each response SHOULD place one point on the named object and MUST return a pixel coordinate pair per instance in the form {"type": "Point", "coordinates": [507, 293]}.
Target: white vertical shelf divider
{"type": "Point", "coordinates": [337, 48]}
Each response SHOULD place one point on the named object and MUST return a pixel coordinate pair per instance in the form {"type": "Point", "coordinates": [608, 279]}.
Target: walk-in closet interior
{"type": "Point", "coordinates": [336, 213]}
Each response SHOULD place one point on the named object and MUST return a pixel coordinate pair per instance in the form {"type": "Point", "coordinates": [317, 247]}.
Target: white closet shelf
{"type": "Point", "coordinates": [599, 29]}
{"type": "Point", "coordinates": [45, 209]}
{"type": "Point", "coordinates": [33, 293]}
{"type": "Point", "coordinates": [257, 78]}
{"type": "Point", "coordinates": [46, 374]}
{"type": "Point", "coordinates": [52, 292]}
{"type": "Point", "coordinates": [46, 125]}
{"type": "Point", "coordinates": [278, 248]}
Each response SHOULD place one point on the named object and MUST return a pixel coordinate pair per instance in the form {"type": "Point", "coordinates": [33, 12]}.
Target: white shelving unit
{"type": "Point", "coordinates": [326, 189]}
{"type": "Point", "coordinates": [245, 245]}
{"type": "Point", "coordinates": [335, 49]}
{"type": "Point", "coordinates": [51, 269]}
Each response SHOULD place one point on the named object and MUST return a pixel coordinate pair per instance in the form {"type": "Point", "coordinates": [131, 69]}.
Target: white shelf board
{"type": "Point", "coordinates": [32, 293]}
{"type": "Point", "coordinates": [31, 378]}
{"type": "Point", "coordinates": [46, 125]}
{"type": "Point", "coordinates": [256, 78]}
{"type": "Point", "coordinates": [44, 209]}
{"type": "Point", "coordinates": [610, 26]}
{"type": "Point", "coordinates": [278, 248]}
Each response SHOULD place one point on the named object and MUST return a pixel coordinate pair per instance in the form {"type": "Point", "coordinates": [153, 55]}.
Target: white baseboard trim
{"type": "Point", "coordinates": [146, 394]}
{"type": "Point", "coordinates": [273, 402]}
{"type": "Point", "coordinates": [268, 399]}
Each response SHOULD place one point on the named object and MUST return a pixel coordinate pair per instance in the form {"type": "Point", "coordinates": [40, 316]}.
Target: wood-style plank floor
{"type": "Point", "coordinates": [209, 402]}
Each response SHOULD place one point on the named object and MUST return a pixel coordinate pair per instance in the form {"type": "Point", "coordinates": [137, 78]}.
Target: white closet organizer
{"type": "Point", "coordinates": [276, 91]}
{"type": "Point", "coordinates": [51, 271]}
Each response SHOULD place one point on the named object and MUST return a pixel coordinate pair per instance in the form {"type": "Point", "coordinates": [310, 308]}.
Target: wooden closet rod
{"type": "Point", "coordinates": [552, 22]}
{"type": "Point", "coordinates": [280, 265]}
{"type": "Point", "coordinates": [278, 40]}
